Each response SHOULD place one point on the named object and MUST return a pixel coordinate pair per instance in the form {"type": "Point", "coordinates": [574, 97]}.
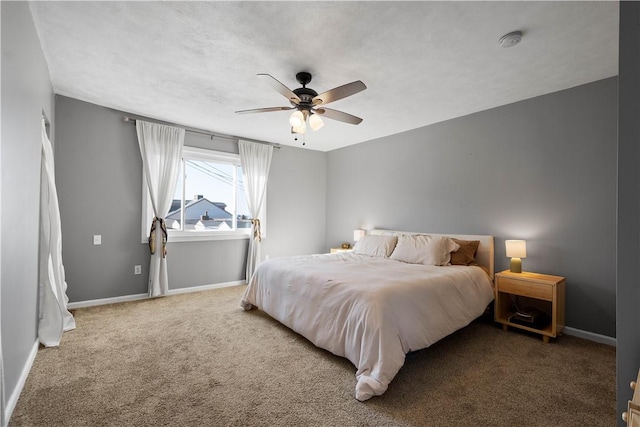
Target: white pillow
{"type": "Point", "coordinates": [450, 245]}
{"type": "Point", "coordinates": [424, 249]}
{"type": "Point", "coordinates": [373, 245]}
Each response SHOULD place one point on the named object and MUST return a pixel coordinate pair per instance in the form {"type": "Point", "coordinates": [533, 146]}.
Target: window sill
{"type": "Point", "coordinates": [195, 236]}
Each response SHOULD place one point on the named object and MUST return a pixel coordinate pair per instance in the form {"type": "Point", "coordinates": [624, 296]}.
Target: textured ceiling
{"type": "Point", "coordinates": [195, 63]}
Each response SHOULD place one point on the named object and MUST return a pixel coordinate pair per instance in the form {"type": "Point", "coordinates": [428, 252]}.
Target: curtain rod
{"type": "Point", "coordinates": [209, 134]}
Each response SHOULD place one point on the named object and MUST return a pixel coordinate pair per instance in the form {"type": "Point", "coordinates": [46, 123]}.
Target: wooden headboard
{"type": "Point", "coordinates": [484, 255]}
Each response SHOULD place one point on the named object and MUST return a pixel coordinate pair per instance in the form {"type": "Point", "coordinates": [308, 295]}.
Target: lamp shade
{"type": "Point", "coordinates": [357, 235]}
{"type": "Point", "coordinates": [315, 121]}
{"type": "Point", "coordinates": [299, 129]}
{"type": "Point", "coordinates": [297, 119]}
{"type": "Point", "coordinates": [516, 248]}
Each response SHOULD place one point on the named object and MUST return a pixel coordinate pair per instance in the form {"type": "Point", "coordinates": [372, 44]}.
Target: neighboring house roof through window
{"type": "Point", "coordinates": [199, 208]}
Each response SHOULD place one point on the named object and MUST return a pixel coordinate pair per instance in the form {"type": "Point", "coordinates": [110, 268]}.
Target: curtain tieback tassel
{"type": "Point", "coordinates": [152, 236]}
{"type": "Point", "coordinates": [256, 229]}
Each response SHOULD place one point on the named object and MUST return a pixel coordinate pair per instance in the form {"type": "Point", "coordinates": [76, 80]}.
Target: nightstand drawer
{"type": "Point", "coordinates": [528, 289]}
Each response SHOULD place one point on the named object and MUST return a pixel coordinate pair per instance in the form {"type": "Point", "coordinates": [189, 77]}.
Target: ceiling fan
{"type": "Point", "coordinates": [308, 104]}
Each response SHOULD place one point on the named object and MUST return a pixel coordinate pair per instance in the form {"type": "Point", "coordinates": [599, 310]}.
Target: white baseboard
{"type": "Point", "coordinates": [206, 287]}
{"type": "Point", "coordinates": [602, 339]}
{"type": "Point", "coordinates": [104, 301]}
{"type": "Point", "coordinates": [13, 399]}
{"type": "Point", "coordinates": [136, 297]}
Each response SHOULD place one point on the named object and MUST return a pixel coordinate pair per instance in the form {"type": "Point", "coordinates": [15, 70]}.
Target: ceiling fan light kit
{"type": "Point", "coordinates": [315, 122]}
{"type": "Point", "coordinates": [297, 119]}
{"type": "Point", "coordinates": [306, 101]}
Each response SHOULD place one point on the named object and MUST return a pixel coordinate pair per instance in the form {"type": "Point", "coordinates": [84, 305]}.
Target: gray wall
{"type": "Point", "coordinates": [543, 170]}
{"type": "Point", "coordinates": [99, 174]}
{"type": "Point", "coordinates": [628, 291]}
{"type": "Point", "coordinates": [99, 182]}
{"type": "Point", "coordinates": [296, 203]}
{"type": "Point", "coordinates": [26, 94]}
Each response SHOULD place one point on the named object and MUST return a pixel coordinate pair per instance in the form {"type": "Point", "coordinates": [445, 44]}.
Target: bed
{"type": "Point", "coordinates": [381, 301]}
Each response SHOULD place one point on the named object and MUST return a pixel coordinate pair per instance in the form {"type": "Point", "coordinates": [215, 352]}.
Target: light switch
{"type": "Point", "coordinates": [97, 239]}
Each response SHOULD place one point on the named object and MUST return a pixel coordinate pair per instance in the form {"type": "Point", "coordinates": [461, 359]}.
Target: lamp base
{"type": "Point", "coordinates": [516, 265]}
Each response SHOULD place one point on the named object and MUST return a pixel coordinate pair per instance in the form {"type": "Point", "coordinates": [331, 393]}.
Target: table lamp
{"type": "Point", "coordinates": [516, 249]}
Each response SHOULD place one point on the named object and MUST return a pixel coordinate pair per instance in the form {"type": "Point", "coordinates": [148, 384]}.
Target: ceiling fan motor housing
{"type": "Point", "coordinates": [306, 96]}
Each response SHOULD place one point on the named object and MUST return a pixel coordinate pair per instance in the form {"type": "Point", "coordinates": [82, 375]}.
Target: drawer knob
{"type": "Point", "coordinates": [624, 417]}
{"type": "Point", "coordinates": [633, 385]}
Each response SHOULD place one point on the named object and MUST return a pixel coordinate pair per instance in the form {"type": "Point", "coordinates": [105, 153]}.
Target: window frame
{"type": "Point", "coordinates": [196, 153]}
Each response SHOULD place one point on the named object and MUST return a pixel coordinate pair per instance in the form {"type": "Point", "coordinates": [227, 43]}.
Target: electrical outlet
{"type": "Point", "coordinates": [137, 269]}
{"type": "Point", "coordinates": [97, 239]}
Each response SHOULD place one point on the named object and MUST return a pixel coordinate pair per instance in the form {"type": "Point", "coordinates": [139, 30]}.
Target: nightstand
{"type": "Point", "coordinates": [336, 250]}
{"type": "Point", "coordinates": [542, 291]}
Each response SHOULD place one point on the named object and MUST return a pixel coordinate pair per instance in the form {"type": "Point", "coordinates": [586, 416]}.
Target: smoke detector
{"type": "Point", "coordinates": [511, 39]}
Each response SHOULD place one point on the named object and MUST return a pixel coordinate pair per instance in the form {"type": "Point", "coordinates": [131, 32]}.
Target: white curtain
{"type": "Point", "coordinates": [54, 318]}
{"type": "Point", "coordinates": [161, 149]}
{"type": "Point", "coordinates": [256, 161]}
{"type": "Point", "coordinates": [2, 422]}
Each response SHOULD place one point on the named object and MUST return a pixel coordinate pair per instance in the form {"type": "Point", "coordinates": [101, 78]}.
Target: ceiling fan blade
{"type": "Point", "coordinates": [338, 115]}
{"type": "Point", "coordinates": [280, 88]}
{"type": "Point", "coordinates": [265, 110]}
{"type": "Point", "coordinates": [339, 92]}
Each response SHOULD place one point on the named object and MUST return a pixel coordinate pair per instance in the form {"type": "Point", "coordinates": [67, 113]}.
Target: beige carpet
{"type": "Point", "coordinates": [198, 359]}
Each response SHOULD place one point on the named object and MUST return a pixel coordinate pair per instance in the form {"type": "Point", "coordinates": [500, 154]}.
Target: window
{"type": "Point", "coordinates": [209, 201]}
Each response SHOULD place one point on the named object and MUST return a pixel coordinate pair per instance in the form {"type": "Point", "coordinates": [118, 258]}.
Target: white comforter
{"type": "Point", "coordinates": [371, 310]}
